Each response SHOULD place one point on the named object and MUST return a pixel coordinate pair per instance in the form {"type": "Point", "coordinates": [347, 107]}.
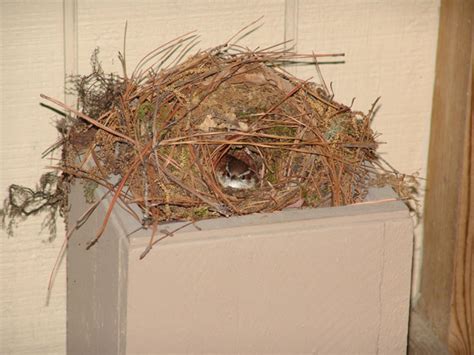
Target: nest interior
{"type": "Point", "coordinates": [163, 138]}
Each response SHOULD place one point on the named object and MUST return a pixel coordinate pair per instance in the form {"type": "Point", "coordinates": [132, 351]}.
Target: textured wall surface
{"type": "Point", "coordinates": [31, 52]}
{"type": "Point", "coordinates": [390, 52]}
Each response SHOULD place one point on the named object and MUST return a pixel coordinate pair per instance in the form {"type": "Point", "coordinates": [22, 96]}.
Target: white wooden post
{"type": "Point", "coordinates": [329, 280]}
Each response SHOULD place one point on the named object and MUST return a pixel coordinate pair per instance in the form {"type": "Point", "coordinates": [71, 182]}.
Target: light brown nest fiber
{"type": "Point", "coordinates": [155, 138]}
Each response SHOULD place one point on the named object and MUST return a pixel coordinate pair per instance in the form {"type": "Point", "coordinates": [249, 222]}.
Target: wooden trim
{"type": "Point", "coordinates": [446, 280]}
{"type": "Point", "coordinates": [461, 332]}
{"type": "Point", "coordinates": [422, 339]}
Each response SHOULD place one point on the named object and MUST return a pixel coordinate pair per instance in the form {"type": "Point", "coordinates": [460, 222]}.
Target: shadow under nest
{"type": "Point", "coordinates": [165, 140]}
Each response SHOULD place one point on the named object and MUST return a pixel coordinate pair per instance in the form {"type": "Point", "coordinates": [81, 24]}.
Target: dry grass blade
{"type": "Point", "coordinates": [88, 119]}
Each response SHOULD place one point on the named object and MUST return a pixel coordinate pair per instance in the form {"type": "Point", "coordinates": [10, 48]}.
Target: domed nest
{"type": "Point", "coordinates": [226, 132]}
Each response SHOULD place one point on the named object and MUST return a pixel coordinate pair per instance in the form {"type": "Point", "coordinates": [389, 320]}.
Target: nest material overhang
{"type": "Point", "coordinates": [160, 139]}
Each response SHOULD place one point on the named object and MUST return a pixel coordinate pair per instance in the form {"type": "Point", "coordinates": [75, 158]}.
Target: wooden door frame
{"type": "Point", "coordinates": [442, 320]}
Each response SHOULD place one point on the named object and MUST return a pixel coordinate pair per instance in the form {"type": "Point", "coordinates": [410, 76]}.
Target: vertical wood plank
{"type": "Point", "coordinates": [422, 339]}
{"type": "Point", "coordinates": [447, 257]}
{"type": "Point", "coordinates": [461, 332]}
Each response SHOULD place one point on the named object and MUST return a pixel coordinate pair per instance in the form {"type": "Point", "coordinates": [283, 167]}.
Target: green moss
{"type": "Point", "coordinates": [201, 212]}
{"type": "Point", "coordinates": [165, 111]}
{"type": "Point", "coordinates": [271, 177]}
{"type": "Point", "coordinates": [282, 131]}
{"type": "Point", "coordinates": [89, 191]}
{"type": "Point", "coordinates": [310, 197]}
{"type": "Point", "coordinates": [246, 112]}
{"type": "Point", "coordinates": [144, 110]}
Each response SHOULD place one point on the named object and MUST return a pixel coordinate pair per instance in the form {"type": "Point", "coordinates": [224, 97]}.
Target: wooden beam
{"type": "Point", "coordinates": [446, 282]}
{"type": "Point", "coordinates": [422, 339]}
{"type": "Point", "coordinates": [461, 332]}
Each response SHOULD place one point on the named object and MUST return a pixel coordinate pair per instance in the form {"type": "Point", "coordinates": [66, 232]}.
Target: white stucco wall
{"type": "Point", "coordinates": [390, 52]}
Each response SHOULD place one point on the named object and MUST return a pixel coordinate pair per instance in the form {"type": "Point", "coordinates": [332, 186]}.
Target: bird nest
{"type": "Point", "coordinates": [226, 132]}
